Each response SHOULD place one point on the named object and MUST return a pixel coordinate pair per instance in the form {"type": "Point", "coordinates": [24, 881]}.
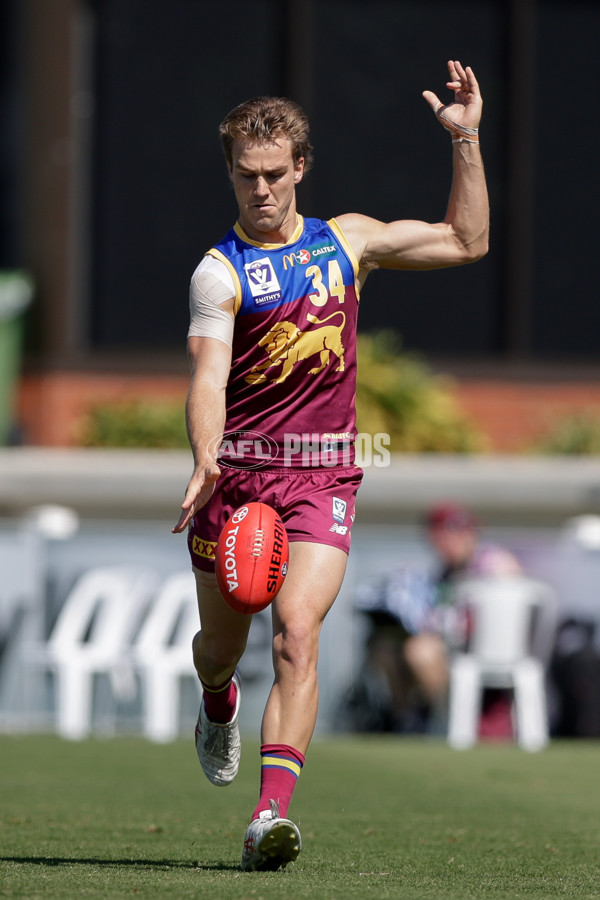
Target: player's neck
{"type": "Point", "coordinates": [280, 235]}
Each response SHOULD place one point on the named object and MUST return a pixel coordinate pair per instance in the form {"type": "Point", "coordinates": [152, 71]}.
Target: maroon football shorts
{"type": "Point", "coordinates": [315, 505]}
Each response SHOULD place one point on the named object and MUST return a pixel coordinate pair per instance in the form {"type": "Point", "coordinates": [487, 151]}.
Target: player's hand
{"type": "Point", "coordinates": [466, 108]}
{"type": "Point", "coordinates": [199, 491]}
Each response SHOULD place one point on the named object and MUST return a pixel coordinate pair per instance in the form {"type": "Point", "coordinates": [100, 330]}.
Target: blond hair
{"type": "Point", "coordinates": [264, 119]}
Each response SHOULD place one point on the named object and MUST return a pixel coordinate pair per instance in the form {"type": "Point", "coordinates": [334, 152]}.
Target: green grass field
{"type": "Point", "coordinates": [380, 817]}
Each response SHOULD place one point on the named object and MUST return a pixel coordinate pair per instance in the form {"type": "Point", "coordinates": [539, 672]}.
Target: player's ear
{"type": "Point", "coordinates": [298, 170]}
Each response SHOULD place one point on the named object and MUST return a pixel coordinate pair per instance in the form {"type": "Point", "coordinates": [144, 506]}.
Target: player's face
{"type": "Point", "coordinates": [264, 179]}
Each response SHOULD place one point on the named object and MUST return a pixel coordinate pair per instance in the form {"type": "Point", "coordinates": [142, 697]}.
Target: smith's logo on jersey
{"type": "Point", "coordinates": [262, 280]}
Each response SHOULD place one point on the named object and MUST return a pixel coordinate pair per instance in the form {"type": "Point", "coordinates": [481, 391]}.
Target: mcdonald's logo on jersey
{"type": "Point", "coordinates": [303, 257]}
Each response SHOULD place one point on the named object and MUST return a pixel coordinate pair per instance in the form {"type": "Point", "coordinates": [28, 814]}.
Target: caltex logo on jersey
{"type": "Point", "coordinates": [303, 257]}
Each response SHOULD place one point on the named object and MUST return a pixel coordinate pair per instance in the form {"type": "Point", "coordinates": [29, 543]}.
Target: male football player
{"type": "Point", "coordinates": [272, 347]}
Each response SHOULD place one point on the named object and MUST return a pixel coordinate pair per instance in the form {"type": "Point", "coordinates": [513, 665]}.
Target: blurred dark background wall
{"type": "Point", "coordinates": [113, 183]}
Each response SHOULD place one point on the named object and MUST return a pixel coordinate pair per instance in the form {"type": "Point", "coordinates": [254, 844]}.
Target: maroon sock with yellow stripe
{"type": "Point", "coordinates": [219, 701]}
{"type": "Point", "coordinates": [279, 770]}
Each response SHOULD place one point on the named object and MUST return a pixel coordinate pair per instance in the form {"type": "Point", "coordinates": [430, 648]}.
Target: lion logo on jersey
{"type": "Point", "coordinates": [285, 345]}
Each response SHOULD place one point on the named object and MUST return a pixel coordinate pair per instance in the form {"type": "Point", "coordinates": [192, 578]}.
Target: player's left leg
{"type": "Point", "coordinates": [314, 578]}
{"type": "Point", "coordinates": [313, 581]}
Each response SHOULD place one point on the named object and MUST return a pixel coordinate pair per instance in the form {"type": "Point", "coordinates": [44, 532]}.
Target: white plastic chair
{"type": "Point", "coordinates": [506, 614]}
{"type": "Point", "coordinates": [92, 634]}
{"type": "Point", "coordinates": [163, 654]}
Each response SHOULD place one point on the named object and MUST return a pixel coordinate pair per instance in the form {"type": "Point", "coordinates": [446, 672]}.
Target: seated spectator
{"type": "Point", "coordinates": [414, 624]}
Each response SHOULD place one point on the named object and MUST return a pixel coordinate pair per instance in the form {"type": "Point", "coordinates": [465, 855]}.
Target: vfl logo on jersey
{"type": "Point", "coordinates": [285, 345]}
{"type": "Point", "coordinates": [338, 510]}
{"type": "Point", "coordinates": [262, 281]}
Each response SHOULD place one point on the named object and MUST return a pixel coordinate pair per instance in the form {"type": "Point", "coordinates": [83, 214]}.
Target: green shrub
{"type": "Point", "coordinates": [397, 394]}
{"type": "Point", "coordinates": [575, 435]}
{"type": "Point", "coordinates": [136, 423]}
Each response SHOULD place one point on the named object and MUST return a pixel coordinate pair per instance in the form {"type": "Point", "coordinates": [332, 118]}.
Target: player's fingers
{"type": "Point", "coordinates": [472, 81]}
{"type": "Point", "coordinates": [460, 72]}
{"type": "Point", "coordinates": [188, 508]}
{"type": "Point", "coordinates": [195, 499]}
{"type": "Point", "coordinates": [465, 80]}
{"type": "Point", "coordinates": [460, 79]}
{"type": "Point", "coordinates": [452, 70]}
{"type": "Point", "coordinates": [183, 521]}
{"type": "Point", "coordinates": [433, 100]}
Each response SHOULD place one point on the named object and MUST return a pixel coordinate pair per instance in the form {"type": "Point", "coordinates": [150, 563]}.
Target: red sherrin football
{"type": "Point", "coordinates": [251, 557]}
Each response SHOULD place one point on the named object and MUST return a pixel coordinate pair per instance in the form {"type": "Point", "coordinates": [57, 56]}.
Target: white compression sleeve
{"type": "Point", "coordinates": [211, 285]}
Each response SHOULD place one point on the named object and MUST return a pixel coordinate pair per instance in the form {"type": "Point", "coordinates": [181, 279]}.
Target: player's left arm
{"type": "Point", "coordinates": [463, 235]}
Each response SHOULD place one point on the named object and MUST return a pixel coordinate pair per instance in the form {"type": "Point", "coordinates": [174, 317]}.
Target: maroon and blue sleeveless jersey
{"type": "Point", "coordinates": [293, 373]}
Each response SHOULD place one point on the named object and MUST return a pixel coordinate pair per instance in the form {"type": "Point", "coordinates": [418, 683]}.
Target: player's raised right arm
{"type": "Point", "coordinates": [210, 361]}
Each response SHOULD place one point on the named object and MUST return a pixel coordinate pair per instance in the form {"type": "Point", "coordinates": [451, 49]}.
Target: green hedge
{"type": "Point", "coordinates": [397, 394]}
{"type": "Point", "coordinates": [575, 435]}
{"type": "Point", "coordinates": [135, 423]}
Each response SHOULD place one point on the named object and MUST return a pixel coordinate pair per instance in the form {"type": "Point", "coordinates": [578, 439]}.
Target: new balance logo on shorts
{"type": "Point", "coordinates": [339, 529]}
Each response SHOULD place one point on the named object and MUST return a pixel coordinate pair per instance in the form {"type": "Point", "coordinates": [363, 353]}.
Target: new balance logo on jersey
{"type": "Point", "coordinates": [262, 281]}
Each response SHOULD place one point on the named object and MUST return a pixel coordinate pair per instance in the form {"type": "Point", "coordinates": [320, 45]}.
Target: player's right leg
{"type": "Point", "coordinates": [217, 649]}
